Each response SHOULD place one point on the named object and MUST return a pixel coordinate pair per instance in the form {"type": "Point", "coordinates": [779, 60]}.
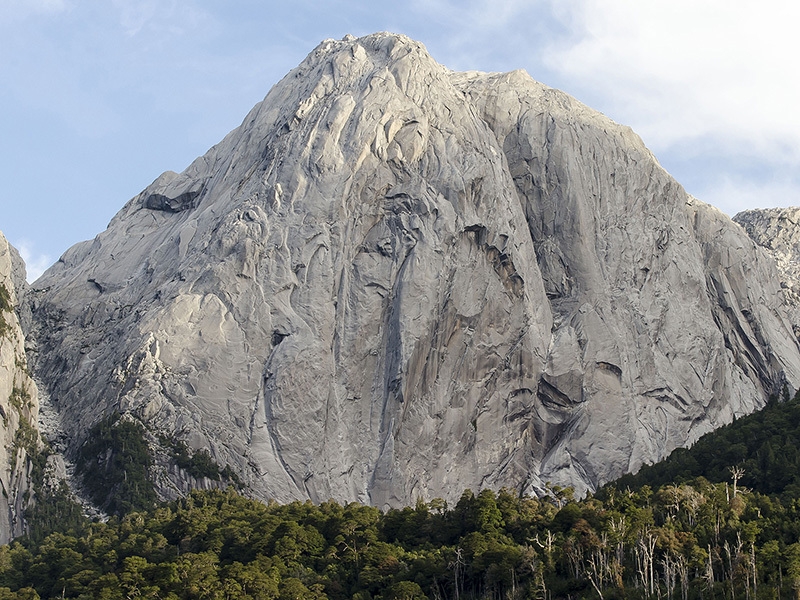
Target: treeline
{"type": "Point", "coordinates": [718, 521]}
{"type": "Point", "coordinates": [763, 446]}
{"type": "Point", "coordinates": [694, 540]}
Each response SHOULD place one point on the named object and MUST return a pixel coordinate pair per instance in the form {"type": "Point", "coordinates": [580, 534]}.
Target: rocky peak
{"type": "Point", "coordinates": [395, 281]}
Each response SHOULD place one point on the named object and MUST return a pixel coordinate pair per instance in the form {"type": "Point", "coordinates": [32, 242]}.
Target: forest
{"type": "Point", "coordinates": [726, 525]}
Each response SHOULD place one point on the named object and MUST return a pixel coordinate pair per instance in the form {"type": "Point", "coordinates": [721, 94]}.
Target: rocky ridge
{"type": "Point", "coordinates": [396, 281]}
{"type": "Point", "coordinates": [777, 230]}
{"type": "Point", "coordinates": [19, 405]}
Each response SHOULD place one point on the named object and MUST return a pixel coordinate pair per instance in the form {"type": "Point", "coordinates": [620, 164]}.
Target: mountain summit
{"type": "Point", "coordinates": [396, 281]}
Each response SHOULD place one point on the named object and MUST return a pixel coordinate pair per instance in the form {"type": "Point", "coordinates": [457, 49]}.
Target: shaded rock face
{"type": "Point", "coordinates": [777, 230]}
{"type": "Point", "coordinates": [395, 281]}
{"type": "Point", "coordinates": [18, 399]}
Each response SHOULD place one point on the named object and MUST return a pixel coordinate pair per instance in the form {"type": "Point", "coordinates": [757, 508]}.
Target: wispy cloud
{"type": "Point", "coordinates": [681, 69]}
{"type": "Point", "coordinates": [17, 9]}
{"type": "Point", "coordinates": [13, 11]}
{"type": "Point", "coordinates": [708, 81]}
{"type": "Point", "coordinates": [134, 15]}
{"type": "Point", "coordinates": [172, 17]}
{"type": "Point", "coordinates": [733, 193]}
{"type": "Point", "coordinates": [112, 93]}
{"type": "Point", "coordinates": [474, 14]}
{"type": "Point", "coordinates": [35, 262]}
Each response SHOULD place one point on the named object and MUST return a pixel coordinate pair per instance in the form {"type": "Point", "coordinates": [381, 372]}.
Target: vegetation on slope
{"type": "Point", "coordinates": [5, 306]}
{"type": "Point", "coordinates": [687, 539]}
{"type": "Point", "coordinates": [694, 540]}
{"type": "Point", "coordinates": [763, 447]}
{"type": "Point", "coordinates": [200, 463]}
{"type": "Point", "coordinates": [115, 462]}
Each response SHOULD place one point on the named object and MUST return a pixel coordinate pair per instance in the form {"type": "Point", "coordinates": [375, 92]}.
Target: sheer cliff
{"type": "Point", "coordinates": [396, 281]}
{"type": "Point", "coordinates": [19, 437]}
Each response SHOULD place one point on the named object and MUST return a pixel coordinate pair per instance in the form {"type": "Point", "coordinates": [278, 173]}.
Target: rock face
{"type": "Point", "coordinates": [19, 438]}
{"type": "Point", "coordinates": [395, 281]}
{"type": "Point", "coordinates": [777, 230]}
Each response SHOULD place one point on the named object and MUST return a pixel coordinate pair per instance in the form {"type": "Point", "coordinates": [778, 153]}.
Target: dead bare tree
{"type": "Point", "coordinates": [596, 570]}
{"type": "Point", "coordinates": [708, 575]}
{"type": "Point", "coordinates": [683, 573]}
{"type": "Point", "coordinates": [547, 546]}
{"type": "Point", "coordinates": [693, 500]}
{"type": "Point", "coordinates": [669, 568]}
{"type": "Point", "coordinates": [537, 568]}
{"type": "Point", "coordinates": [736, 474]}
{"type": "Point", "coordinates": [727, 549]}
{"type": "Point", "coordinates": [458, 564]}
{"type": "Point", "coordinates": [618, 528]}
{"type": "Point", "coordinates": [645, 551]}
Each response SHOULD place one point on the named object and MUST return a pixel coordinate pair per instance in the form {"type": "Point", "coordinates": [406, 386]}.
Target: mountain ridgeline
{"type": "Point", "coordinates": [394, 281]}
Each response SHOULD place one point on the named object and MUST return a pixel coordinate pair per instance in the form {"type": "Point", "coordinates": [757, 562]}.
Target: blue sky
{"type": "Point", "coordinates": [98, 97]}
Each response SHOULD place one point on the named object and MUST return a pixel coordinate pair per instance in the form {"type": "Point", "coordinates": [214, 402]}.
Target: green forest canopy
{"type": "Point", "coordinates": [696, 535]}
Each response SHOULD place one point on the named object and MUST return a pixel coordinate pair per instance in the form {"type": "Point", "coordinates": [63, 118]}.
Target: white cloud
{"type": "Point", "coordinates": [732, 194]}
{"type": "Point", "coordinates": [35, 262]}
{"type": "Point", "coordinates": [681, 69]}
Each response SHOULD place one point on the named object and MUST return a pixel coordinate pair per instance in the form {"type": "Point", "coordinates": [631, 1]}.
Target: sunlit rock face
{"type": "Point", "coordinates": [19, 405]}
{"type": "Point", "coordinates": [396, 281]}
{"type": "Point", "coordinates": [777, 230]}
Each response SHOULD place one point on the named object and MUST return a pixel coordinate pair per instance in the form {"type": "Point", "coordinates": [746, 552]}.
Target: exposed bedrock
{"type": "Point", "coordinates": [396, 281]}
{"type": "Point", "coordinates": [19, 401]}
